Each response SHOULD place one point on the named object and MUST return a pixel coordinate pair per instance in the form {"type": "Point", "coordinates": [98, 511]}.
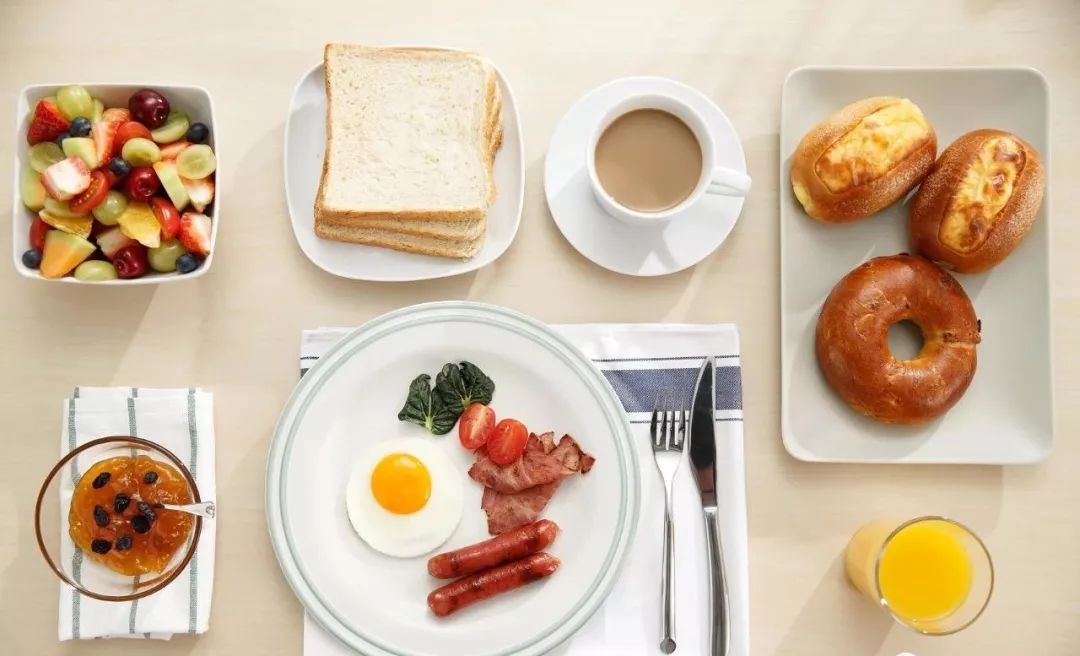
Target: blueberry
{"type": "Point", "coordinates": [145, 509]}
{"type": "Point", "coordinates": [101, 517]}
{"type": "Point", "coordinates": [140, 523]}
{"type": "Point", "coordinates": [60, 139]}
{"type": "Point", "coordinates": [120, 503]}
{"type": "Point", "coordinates": [123, 543]}
{"type": "Point", "coordinates": [31, 259]}
{"type": "Point", "coordinates": [101, 480]}
{"type": "Point", "coordinates": [101, 546]}
{"type": "Point", "coordinates": [80, 126]}
{"type": "Point", "coordinates": [187, 263]}
{"type": "Point", "coordinates": [150, 477]}
{"type": "Point", "coordinates": [197, 133]}
{"type": "Point", "coordinates": [119, 166]}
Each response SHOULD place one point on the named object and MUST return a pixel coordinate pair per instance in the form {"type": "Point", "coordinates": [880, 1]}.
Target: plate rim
{"type": "Point", "coordinates": [791, 444]}
{"type": "Point", "coordinates": [341, 352]}
{"type": "Point", "coordinates": [472, 265]}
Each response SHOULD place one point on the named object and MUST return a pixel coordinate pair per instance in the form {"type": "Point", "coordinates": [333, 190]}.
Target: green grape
{"type": "Point", "coordinates": [108, 213]}
{"type": "Point", "coordinates": [163, 258]}
{"type": "Point", "coordinates": [173, 129]}
{"type": "Point", "coordinates": [196, 162]}
{"type": "Point", "coordinates": [141, 152]}
{"type": "Point", "coordinates": [95, 270]}
{"type": "Point", "coordinates": [44, 155]}
{"type": "Point", "coordinates": [60, 209]}
{"type": "Point", "coordinates": [99, 110]}
{"type": "Point", "coordinates": [75, 101]}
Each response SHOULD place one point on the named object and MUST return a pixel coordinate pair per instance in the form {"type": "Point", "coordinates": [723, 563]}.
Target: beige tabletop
{"type": "Point", "coordinates": [236, 330]}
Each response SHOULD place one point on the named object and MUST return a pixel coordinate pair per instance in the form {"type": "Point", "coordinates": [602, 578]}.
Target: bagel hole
{"type": "Point", "coordinates": [905, 340]}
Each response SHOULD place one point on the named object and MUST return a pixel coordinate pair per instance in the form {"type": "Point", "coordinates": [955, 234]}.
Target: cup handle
{"type": "Point", "coordinates": [728, 182]}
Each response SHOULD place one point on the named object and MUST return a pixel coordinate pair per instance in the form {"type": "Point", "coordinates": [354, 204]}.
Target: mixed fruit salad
{"type": "Point", "coordinates": [117, 191]}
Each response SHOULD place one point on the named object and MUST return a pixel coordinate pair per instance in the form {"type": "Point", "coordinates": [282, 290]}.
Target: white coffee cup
{"type": "Point", "coordinates": [714, 179]}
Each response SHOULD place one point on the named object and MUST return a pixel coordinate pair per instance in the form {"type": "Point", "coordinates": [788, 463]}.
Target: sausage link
{"type": "Point", "coordinates": [478, 587]}
{"type": "Point", "coordinates": [511, 545]}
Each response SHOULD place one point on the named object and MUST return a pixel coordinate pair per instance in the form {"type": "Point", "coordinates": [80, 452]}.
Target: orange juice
{"type": "Point", "coordinates": [925, 571]}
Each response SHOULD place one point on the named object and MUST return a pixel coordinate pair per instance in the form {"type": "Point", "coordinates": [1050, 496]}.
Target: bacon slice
{"type": "Point", "coordinates": [536, 466]}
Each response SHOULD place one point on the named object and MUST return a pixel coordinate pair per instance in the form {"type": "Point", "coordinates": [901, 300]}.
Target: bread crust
{"type": "Point", "coordinates": [852, 339]}
{"type": "Point", "coordinates": [863, 200]}
{"type": "Point", "coordinates": [1014, 221]}
{"type": "Point", "coordinates": [398, 242]}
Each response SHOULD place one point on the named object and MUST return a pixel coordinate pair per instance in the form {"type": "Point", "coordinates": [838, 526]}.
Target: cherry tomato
{"type": "Point", "coordinates": [127, 131]}
{"type": "Point", "coordinates": [476, 425]}
{"type": "Point", "coordinates": [507, 441]}
{"type": "Point", "coordinates": [167, 215]}
{"type": "Point", "coordinates": [94, 194]}
{"type": "Point", "coordinates": [130, 261]}
{"type": "Point", "coordinates": [38, 230]}
{"type": "Point", "coordinates": [141, 184]}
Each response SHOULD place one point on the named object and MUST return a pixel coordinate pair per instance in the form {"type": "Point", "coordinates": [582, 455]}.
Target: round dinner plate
{"type": "Point", "coordinates": [636, 250]}
{"type": "Point", "coordinates": [349, 400]}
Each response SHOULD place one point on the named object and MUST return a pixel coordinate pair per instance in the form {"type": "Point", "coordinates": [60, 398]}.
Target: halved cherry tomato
{"type": "Point", "coordinates": [94, 194]}
{"type": "Point", "coordinates": [169, 218]}
{"type": "Point", "coordinates": [38, 230]}
{"type": "Point", "coordinates": [477, 422]}
{"type": "Point", "coordinates": [507, 441]}
{"type": "Point", "coordinates": [127, 131]}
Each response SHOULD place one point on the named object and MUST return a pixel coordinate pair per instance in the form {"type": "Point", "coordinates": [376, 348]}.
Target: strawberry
{"type": "Point", "coordinates": [200, 192]}
{"type": "Point", "coordinates": [104, 134]}
{"type": "Point", "coordinates": [195, 233]}
{"type": "Point", "coordinates": [173, 149]}
{"type": "Point", "coordinates": [47, 123]}
{"type": "Point", "coordinates": [116, 115]}
{"type": "Point", "coordinates": [112, 240]}
{"type": "Point", "coordinates": [66, 178]}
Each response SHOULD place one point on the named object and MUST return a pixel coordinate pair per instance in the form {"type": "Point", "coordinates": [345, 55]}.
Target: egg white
{"type": "Point", "coordinates": [415, 534]}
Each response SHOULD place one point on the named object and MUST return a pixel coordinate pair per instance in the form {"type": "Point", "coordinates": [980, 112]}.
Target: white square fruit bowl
{"type": "Point", "coordinates": [192, 100]}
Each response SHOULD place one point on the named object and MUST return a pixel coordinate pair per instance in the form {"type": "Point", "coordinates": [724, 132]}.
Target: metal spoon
{"type": "Point", "coordinates": [204, 509]}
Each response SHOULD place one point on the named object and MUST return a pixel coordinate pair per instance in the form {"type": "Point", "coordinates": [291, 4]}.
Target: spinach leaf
{"type": "Point", "coordinates": [461, 385]}
{"type": "Point", "coordinates": [427, 409]}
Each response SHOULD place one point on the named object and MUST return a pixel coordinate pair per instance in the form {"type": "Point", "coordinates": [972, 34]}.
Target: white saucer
{"type": "Point", "coordinates": [637, 251]}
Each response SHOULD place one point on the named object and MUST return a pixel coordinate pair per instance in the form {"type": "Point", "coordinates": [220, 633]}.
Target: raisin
{"type": "Point", "coordinates": [150, 477]}
{"type": "Point", "coordinates": [101, 517]}
{"type": "Point", "coordinates": [101, 546]}
{"type": "Point", "coordinates": [140, 523]}
{"type": "Point", "coordinates": [123, 543]}
{"type": "Point", "coordinates": [121, 502]}
{"type": "Point", "coordinates": [145, 509]}
{"type": "Point", "coordinates": [101, 480]}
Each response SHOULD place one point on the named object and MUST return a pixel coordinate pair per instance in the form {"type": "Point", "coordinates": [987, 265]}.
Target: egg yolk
{"type": "Point", "coordinates": [401, 483]}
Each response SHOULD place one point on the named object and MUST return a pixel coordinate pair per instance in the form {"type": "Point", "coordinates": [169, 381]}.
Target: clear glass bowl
{"type": "Point", "coordinates": [51, 524]}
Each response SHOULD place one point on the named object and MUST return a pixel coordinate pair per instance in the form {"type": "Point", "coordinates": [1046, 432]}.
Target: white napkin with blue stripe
{"type": "Point", "coordinates": [181, 420]}
{"type": "Point", "coordinates": [641, 361]}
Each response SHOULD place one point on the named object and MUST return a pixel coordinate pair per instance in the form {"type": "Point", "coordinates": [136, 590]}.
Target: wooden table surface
{"type": "Point", "coordinates": [236, 330]}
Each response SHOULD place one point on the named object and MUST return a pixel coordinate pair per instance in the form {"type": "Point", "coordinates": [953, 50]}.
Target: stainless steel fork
{"type": "Point", "coordinates": [668, 432]}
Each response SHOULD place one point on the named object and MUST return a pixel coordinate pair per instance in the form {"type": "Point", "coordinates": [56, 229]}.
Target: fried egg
{"type": "Point", "coordinates": [404, 497]}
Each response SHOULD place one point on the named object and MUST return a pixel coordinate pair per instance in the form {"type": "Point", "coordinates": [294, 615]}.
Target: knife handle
{"type": "Point", "coordinates": [718, 593]}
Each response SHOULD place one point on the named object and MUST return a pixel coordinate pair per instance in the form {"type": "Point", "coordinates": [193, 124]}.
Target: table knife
{"type": "Point", "coordinates": [703, 464]}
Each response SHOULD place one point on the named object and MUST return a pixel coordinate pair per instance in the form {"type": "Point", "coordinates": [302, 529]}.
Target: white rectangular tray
{"type": "Point", "coordinates": [1006, 416]}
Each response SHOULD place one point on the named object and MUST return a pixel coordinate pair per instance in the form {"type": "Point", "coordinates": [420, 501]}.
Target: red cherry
{"type": "Point", "coordinates": [149, 108]}
{"type": "Point", "coordinates": [130, 261]}
{"type": "Point", "coordinates": [141, 184]}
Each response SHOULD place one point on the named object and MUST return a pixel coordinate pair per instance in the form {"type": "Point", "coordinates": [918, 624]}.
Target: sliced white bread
{"type": "Point", "coordinates": [409, 135]}
{"type": "Point", "coordinates": [423, 245]}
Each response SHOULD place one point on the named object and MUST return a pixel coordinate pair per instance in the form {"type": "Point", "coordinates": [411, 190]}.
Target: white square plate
{"type": "Point", "coordinates": [193, 101]}
{"type": "Point", "coordinates": [1006, 416]}
{"type": "Point", "coordinates": [305, 143]}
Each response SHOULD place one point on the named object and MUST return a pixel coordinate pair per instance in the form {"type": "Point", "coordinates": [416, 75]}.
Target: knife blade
{"type": "Point", "coordinates": [703, 461]}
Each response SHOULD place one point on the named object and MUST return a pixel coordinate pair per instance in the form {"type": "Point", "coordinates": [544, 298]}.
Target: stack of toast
{"type": "Point", "coordinates": [411, 138]}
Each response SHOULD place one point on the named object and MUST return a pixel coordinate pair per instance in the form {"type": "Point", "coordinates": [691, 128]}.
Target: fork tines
{"type": "Point", "coordinates": [670, 434]}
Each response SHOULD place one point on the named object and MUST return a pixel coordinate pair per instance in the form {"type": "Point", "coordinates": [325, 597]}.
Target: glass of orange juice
{"type": "Point", "coordinates": [932, 574]}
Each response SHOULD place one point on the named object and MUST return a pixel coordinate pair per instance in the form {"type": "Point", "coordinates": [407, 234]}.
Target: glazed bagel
{"type": "Point", "coordinates": [862, 159]}
{"type": "Point", "coordinates": [979, 202]}
{"type": "Point", "coordinates": [852, 339]}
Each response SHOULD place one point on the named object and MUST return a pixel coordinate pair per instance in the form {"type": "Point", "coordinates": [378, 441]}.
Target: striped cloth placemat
{"type": "Point", "coordinates": [181, 420]}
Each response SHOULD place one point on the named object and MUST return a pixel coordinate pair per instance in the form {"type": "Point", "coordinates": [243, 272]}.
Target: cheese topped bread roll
{"type": "Point", "coordinates": [862, 159]}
